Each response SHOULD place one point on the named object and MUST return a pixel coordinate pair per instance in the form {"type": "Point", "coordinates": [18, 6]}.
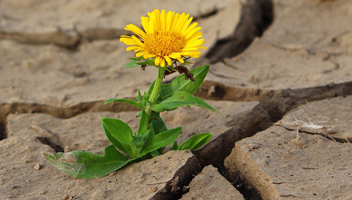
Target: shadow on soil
{"type": "Point", "coordinates": [256, 17]}
{"type": "Point", "coordinates": [47, 141]}
{"type": "Point", "coordinates": [3, 132]}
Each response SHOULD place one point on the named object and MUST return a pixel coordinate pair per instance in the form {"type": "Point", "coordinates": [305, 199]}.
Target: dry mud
{"type": "Point", "coordinates": [280, 77]}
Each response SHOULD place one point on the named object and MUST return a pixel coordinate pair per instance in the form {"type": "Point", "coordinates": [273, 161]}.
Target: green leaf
{"type": "Point", "coordinates": [143, 123]}
{"type": "Point", "coordinates": [174, 146]}
{"type": "Point", "coordinates": [139, 97]}
{"type": "Point", "coordinates": [151, 88]}
{"type": "Point", "coordinates": [129, 101]}
{"type": "Point", "coordinates": [133, 64]}
{"type": "Point", "coordinates": [178, 99]}
{"type": "Point", "coordinates": [196, 141]}
{"type": "Point", "coordinates": [137, 58]}
{"type": "Point", "coordinates": [82, 164]}
{"type": "Point", "coordinates": [118, 129]}
{"type": "Point", "coordinates": [181, 84]}
{"type": "Point", "coordinates": [149, 61]}
{"type": "Point", "coordinates": [155, 153]}
{"type": "Point", "coordinates": [140, 61]}
{"type": "Point", "coordinates": [157, 124]}
{"type": "Point", "coordinates": [161, 140]}
{"type": "Point", "coordinates": [138, 141]}
{"type": "Point", "coordinates": [125, 148]}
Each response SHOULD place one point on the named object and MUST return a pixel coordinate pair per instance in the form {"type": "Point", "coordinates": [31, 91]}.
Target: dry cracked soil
{"type": "Point", "coordinates": [280, 76]}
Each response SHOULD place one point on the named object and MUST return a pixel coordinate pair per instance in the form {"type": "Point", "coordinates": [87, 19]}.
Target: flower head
{"type": "Point", "coordinates": [166, 37]}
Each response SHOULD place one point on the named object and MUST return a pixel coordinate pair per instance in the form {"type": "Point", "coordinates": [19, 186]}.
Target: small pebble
{"type": "Point", "coordinates": [67, 149]}
{"type": "Point", "coordinates": [113, 173]}
{"type": "Point", "coordinates": [253, 146]}
{"type": "Point", "coordinates": [153, 189]}
{"type": "Point", "coordinates": [185, 189]}
{"type": "Point", "coordinates": [65, 197]}
{"type": "Point", "coordinates": [37, 167]}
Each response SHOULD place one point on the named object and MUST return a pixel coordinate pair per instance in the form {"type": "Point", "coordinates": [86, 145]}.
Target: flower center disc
{"type": "Point", "coordinates": [164, 43]}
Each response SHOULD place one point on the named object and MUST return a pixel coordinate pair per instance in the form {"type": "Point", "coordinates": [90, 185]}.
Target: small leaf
{"type": "Point", "coordinates": [155, 153]}
{"type": "Point", "coordinates": [151, 88]}
{"type": "Point", "coordinates": [139, 113]}
{"type": "Point", "coordinates": [196, 141]}
{"type": "Point", "coordinates": [143, 123]}
{"type": "Point", "coordinates": [140, 61]}
{"type": "Point", "coordinates": [174, 146]}
{"type": "Point", "coordinates": [181, 84]}
{"type": "Point", "coordinates": [137, 58]}
{"type": "Point", "coordinates": [133, 64]}
{"type": "Point", "coordinates": [82, 164]}
{"type": "Point", "coordinates": [129, 101]}
{"type": "Point", "coordinates": [161, 140]}
{"type": "Point", "coordinates": [146, 61]}
{"type": "Point", "coordinates": [118, 129]}
{"type": "Point", "coordinates": [178, 99]}
{"type": "Point", "coordinates": [125, 148]}
{"type": "Point", "coordinates": [139, 97]}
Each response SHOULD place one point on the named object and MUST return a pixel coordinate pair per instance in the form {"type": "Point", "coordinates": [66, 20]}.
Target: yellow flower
{"type": "Point", "coordinates": [166, 37]}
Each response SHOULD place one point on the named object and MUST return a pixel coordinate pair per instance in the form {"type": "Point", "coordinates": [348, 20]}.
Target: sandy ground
{"type": "Point", "coordinates": [280, 77]}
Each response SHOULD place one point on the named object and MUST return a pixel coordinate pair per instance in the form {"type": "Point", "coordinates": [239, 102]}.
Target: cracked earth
{"type": "Point", "coordinates": [280, 77]}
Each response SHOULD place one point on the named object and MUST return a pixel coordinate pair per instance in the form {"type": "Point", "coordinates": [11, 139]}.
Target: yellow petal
{"type": "Point", "coordinates": [191, 27]}
{"type": "Point", "coordinates": [175, 55]}
{"type": "Point", "coordinates": [169, 19]}
{"type": "Point", "coordinates": [174, 20]}
{"type": "Point", "coordinates": [168, 60]}
{"type": "Point", "coordinates": [152, 23]}
{"type": "Point", "coordinates": [149, 55]}
{"type": "Point", "coordinates": [157, 24]}
{"type": "Point", "coordinates": [133, 48]}
{"type": "Point", "coordinates": [163, 20]}
{"type": "Point", "coordinates": [135, 30]}
{"type": "Point", "coordinates": [180, 60]}
{"type": "Point", "coordinates": [194, 43]}
{"type": "Point", "coordinates": [162, 62]}
{"type": "Point", "coordinates": [139, 54]}
{"type": "Point", "coordinates": [180, 23]}
{"type": "Point", "coordinates": [190, 49]}
{"type": "Point", "coordinates": [145, 24]}
{"type": "Point", "coordinates": [189, 34]}
{"type": "Point", "coordinates": [195, 36]}
{"type": "Point", "coordinates": [157, 61]}
{"type": "Point", "coordinates": [138, 42]}
{"type": "Point", "coordinates": [186, 24]}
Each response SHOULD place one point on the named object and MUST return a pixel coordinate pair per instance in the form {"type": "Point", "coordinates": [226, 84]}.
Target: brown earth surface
{"type": "Point", "coordinates": [280, 78]}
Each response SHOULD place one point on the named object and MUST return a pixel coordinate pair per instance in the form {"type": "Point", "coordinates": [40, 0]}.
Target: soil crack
{"type": "Point", "coordinates": [256, 17]}
{"type": "Point", "coordinates": [63, 112]}
{"type": "Point", "coordinates": [207, 14]}
{"type": "Point", "coordinates": [3, 131]}
{"type": "Point", "coordinates": [47, 141]}
{"type": "Point", "coordinates": [70, 39]}
{"type": "Point", "coordinates": [275, 102]}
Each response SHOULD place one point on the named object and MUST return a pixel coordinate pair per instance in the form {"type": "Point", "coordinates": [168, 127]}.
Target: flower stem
{"type": "Point", "coordinates": [155, 92]}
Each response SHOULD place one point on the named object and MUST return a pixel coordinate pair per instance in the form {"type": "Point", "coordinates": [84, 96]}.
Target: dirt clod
{"type": "Point", "coordinates": [37, 167]}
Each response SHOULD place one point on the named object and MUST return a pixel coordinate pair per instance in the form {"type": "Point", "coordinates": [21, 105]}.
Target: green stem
{"type": "Point", "coordinates": [155, 92]}
{"type": "Point", "coordinates": [157, 85]}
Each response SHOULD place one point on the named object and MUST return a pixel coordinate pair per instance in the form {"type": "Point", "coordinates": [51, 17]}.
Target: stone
{"type": "Point", "coordinates": [209, 184]}
{"type": "Point", "coordinates": [37, 167]}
